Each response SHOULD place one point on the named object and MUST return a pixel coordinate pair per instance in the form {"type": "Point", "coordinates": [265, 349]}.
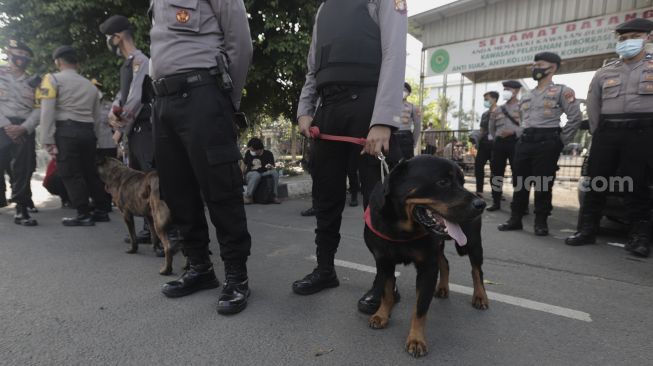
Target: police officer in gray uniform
{"type": "Point", "coordinates": [200, 53]}
{"type": "Point", "coordinates": [542, 140]}
{"type": "Point", "coordinates": [504, 128]}
{"type": "Point", "coordinates": [620, 109]}
{"type": "Point", "coordinates": [355, 64]}
{"type": "Point", "coordinates": [410, 128]}
{"type": "Point", "coordinates": [129, 116]}
{"type": "Point", "coordinates": [19, 117]}
{"type": "Point", "coordinates": [70, 105]}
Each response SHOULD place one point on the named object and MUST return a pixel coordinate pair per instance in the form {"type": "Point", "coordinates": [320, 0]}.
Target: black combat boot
{"type": "Point", "coordinates": [199, 276]}
{"type": "Point", "coordinates": [22, 217]}
{"type": "Point", "coordinates": [640, 239]}
{"type": "Point", "coordinates": [82, 219]}
{"type": "Point", "coordinates": [143, 236]}
{"type": "Point", "coordinates": [371, 301]}
{"type": "Point", "coordinates": [308, 212]}
{"type": "Point", "coordinates": [586, 234]}
{"type": "Point", "coordinates": [496, 202]}
{"type": "Point", "coordinates": [322, 277]}
{"type": "Point", "coordinates": [235, 290]}
{"type": "Point", "coordinates": [541, 228]}
{"type": "Point", "coordinates": [100, 216]}
{"type": "Point", "coordinates": [3, 199]}
{"type": "Point", "coordinates": [514, 223]}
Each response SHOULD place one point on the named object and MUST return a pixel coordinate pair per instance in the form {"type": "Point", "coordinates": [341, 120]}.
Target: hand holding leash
{"type": "Point", "coordinates": [378, 141]}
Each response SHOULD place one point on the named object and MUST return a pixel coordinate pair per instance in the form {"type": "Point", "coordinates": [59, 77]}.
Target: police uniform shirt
{"type": "Point", "coordinates": [66, 95]}
{"type": "Point", "coordinates": [543, 108]}
{"type": "Point", "coordinates": [411, 120]}
{"type": "Point", "coordinates": [139, 64]}
{"type": "Point", "coordinates": [188, 35]}
{"type": "Point", "coordinates": [103, 131]}
{"type": "Point", "coordinates": [390, 16]}
{"type": "Point", "coordinates": [17, 100]}
{"type": "Point", "coordinates": [620, 88]}
{"type": "Point", "coordinates": [499, 123]}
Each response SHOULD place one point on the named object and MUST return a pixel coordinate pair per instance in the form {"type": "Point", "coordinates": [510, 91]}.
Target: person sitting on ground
{"type": "Point", "coordinates": [259, 163]}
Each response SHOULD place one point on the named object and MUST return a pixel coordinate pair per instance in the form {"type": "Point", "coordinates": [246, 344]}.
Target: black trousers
{"type": "Point", "coordinates": [483, 155]}
{"type": "Point", "coordinates": [347, 111]}
{"type": "Point", "coordinates": [622, 153]}
{"type": "Point", "coordinates": [503, 150]}
{"type": "Point", "coordinates": [76, 143]}
{"type": "Point", "coordinates": [105, 153]}
{"type": "Point", "coordinates": [5, 169]}
{"type": "Point", "coordinates": [352, 176]}
{"type": "Point", "coordinates": [197, 160]}
{"type": "Point", "coordinates": [535, 164]}
{"type": "Point", "coordinates": [141, 146]}
{"type": "Point", "coordinates": [406, 143]}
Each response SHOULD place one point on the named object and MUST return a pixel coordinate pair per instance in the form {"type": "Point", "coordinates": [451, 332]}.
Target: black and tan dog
{"type": "Point", "coordinates": [421, 204]}
{"type": "Point", "coordinates": [137, 194]}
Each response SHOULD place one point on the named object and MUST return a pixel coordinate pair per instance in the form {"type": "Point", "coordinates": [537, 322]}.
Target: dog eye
{"type": "Point", "coordinates": [443, 182]}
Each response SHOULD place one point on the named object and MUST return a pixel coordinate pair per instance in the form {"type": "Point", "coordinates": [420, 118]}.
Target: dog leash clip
{"type": "Point", "coordinates": [385, 170]}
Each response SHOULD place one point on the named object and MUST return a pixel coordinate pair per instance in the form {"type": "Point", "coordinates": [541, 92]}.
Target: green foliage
{"type": "Point", "coordinates": [281, 31]}
{"type": "Point", "coordinates": [430, 112]}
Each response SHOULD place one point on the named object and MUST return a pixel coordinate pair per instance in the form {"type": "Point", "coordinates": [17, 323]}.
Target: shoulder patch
{"type": "Point", "coordinates": [401, 6]}
{"type": "Point", "coordinates": [136, 66]}
{"type": "Point", "coordinates": [569, 95]}
{"type": "Point", "coordinates": [47, 89]}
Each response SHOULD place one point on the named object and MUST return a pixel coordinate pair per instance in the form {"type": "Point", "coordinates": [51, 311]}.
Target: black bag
{"type": "Point", "coordinates": [264, 193]}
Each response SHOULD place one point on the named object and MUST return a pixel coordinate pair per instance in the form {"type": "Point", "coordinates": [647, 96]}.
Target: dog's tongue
{"type": "Point", "coordinates": [455, 232]}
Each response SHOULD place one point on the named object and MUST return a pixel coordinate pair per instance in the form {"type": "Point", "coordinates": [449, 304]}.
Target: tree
{"type": "Point", "coordinates": [429, 110]}
{"type": "Point", "coordinates": [281, 32]}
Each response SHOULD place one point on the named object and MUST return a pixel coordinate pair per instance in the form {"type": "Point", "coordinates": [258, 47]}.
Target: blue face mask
{"type": "Point", "coordinates": [630, 48]}
{"type": "Point", "coordinates": [487, 104]}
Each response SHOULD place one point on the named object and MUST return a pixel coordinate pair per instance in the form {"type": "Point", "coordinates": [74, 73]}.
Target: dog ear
{"type": "Point", "coordinates": [380, 197]}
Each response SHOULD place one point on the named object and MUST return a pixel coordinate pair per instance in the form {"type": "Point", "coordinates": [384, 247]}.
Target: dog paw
{"type": "Point", "coordinates": [377, 322]}
{"type": "Point", "coordinates": [480, 302]}
{"type": "Point", "coordinates": [442, 292]}
{"type": "Point", "coordinates": [416, 347]}
{"type": "Point", "coordinates": [164, 271]}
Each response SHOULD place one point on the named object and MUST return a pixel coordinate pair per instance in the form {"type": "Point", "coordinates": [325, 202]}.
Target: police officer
{"type": "Point", "coordinates": [19, 117]}
{"type": "Point", "coordinates": [483, 141]}
{"type": "Point", "coordinates": [504, 127]}
{"type": "Point", "coordinates": [200, 57]}
{"type": "Point", "coordinates": [106, 145]}
{"type": "Point", "coordinates": [70, 105]}
{"type": "Point", "coordinates": [355, 63]}
{"type": "Point", "coordinates": [539, 147]}
{"type": "Point", "coordinates": [128, 116]}
{"type": "Point", "coordinates": [620, 109]}
{"type": "Point", "coordinates": [410, 128]}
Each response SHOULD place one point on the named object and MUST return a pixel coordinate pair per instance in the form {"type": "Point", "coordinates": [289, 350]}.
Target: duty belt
{"type": "Point", "coordinates": [626, 121]}
{"type": "Point", "coordinates": [540, 134]}
{"type": "Point", "coordinates": [174, 84]}
{"type": "Point", "coordinates": [75, 124]}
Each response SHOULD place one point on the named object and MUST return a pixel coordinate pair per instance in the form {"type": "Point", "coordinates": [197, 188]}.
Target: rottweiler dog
{"type": "Point", "coordinates": [137, 194]}
{"type": "Point", "coordinates": [421, 204]}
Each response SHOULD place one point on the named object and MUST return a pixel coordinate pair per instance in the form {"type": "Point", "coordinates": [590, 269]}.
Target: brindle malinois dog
{"type": "Point", "coordinates": [137, 194]}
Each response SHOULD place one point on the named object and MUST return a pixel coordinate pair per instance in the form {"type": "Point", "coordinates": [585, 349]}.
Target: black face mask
{"type": "Point", "coordinates": [21, 62]}
{"type": "Point", "coordinates": [540, 73]}
{"type": "Point", "coordinates": [113, 47]}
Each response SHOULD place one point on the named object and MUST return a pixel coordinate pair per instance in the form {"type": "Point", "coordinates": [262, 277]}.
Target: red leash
{"type": "Point", "coordinates": [315, 134]}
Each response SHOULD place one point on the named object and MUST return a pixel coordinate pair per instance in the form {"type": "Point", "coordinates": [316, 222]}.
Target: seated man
{"type": "Point", "coordinates": [259, 163]}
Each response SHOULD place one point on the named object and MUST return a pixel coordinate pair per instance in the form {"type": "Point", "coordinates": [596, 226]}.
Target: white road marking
{"type": "Point", "coordinates": [507, 299]}
{"type": "Point", "coordinates": [618, 245]}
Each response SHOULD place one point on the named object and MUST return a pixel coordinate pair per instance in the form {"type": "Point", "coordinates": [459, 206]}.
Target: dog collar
{"type": "Point", "coordinates": [368, 223]}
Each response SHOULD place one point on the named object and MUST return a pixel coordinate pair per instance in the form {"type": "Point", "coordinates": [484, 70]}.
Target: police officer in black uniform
{"type": "Point", "coordinates": [356, 64]}
{"type": "Point", "coordinates": [200, 58]}
{"type": "Point", "coordinates": [483, 142]}
{"type": "Point", "coordinates": [620, 110]}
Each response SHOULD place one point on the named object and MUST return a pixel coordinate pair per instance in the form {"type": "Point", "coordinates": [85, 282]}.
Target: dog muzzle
{"type": "Point", "coordinates": [438, 225]}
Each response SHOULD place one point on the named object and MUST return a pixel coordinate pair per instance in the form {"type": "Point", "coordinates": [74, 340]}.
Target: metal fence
{"type": "Point", "coordinates": [456, 146]}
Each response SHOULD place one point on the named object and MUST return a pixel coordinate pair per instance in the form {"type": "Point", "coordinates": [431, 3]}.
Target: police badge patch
{"type": "Point", "coordinates": [570, 96]}
{"type": "Point", "coordinates": [401, 6]}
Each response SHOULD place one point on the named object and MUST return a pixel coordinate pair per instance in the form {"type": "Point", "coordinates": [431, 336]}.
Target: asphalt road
{"type": "Point", "coordinates": [72, 296]}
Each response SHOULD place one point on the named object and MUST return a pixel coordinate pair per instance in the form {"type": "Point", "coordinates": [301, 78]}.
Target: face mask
{"type": "Point", "coordinates": [540, 73]}
{"type": "Point", "coordinates": [630, 48]}
{"type": "Point", "coordinates": [487, 104]}
{"type": "Point", "coordinates": [112, 47]}
{"type": "Point", "coordinates": [406, 94]}
{"type": "Point", "coordinates": [21, 62]}
{"type": "Point", "coordinates": [507, 95]}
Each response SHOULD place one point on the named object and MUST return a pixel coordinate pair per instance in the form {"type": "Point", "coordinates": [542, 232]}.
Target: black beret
{"type": "Point", "coordinates": [513, 84]}
{"type": "Point", "coordinates": [18, 45]}
{"type": "Point", "coordinates": [115, 24]}
{"type": "Point", "coordinates": [549, 57]}
{"type": "Point", "coordinates": [635, 25]}
{"type": "Point", "coordinates": [63, 50]}
{"type": "Point", "coordinates": [407, 87]}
